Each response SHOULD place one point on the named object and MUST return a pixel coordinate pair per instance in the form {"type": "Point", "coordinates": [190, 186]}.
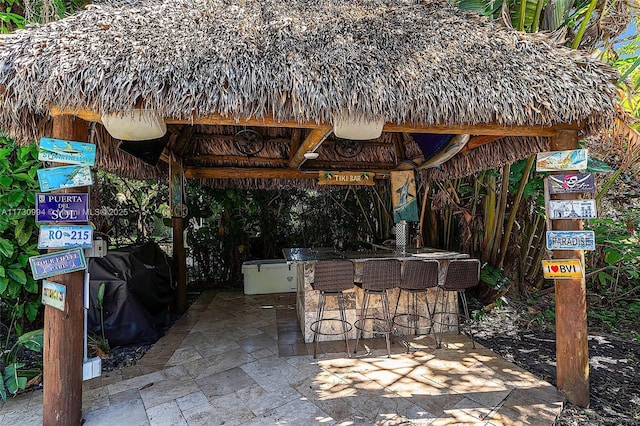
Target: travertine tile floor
{"type": "Point", "coordinates": [240, 360]}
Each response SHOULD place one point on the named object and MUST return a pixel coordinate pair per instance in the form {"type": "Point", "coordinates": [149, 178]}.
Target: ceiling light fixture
{"type": "Point", "coordinates": [310, 155]}
{"type": "Point", "coordinates": [137, 125]}
{"type": "Point", "coordinates": [357, 128]}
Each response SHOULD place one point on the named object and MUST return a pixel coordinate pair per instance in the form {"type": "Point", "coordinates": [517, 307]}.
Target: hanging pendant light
{"type": "Point", "coordinates": [357, 128]}
{"type": "Point", "coordinates": [138, 125]}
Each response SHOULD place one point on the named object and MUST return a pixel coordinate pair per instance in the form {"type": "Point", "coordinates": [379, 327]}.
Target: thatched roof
{"type": "Point", "coordinates": [422, 63]}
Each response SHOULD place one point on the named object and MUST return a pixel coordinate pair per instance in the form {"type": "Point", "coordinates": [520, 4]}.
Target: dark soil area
{"type": "Point", "coordinates": [614, 365]}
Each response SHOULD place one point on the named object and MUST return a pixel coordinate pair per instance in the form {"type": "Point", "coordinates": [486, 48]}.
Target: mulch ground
{"type": "Point", "coordinates": [614, 365]}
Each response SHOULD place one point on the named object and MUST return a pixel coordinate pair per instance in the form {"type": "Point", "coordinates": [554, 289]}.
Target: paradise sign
{"type": "Point", "coordinates": [571, 240]}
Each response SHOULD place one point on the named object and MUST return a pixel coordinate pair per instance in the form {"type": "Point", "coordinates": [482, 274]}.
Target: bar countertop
{"type": "Point", "coordinates": [310, 254]}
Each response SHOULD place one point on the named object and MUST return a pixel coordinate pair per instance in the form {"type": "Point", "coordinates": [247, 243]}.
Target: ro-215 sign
{"type": "Point", "coordinates": [65, 236]}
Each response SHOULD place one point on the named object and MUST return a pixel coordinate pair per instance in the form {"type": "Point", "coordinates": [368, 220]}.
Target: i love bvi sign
{"type": "Point", "coordinates": [562, 268]}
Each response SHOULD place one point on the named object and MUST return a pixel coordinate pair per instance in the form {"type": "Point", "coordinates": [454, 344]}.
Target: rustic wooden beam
{"type": "Point", "coordinates": [181, 142]}
{"type": "Point", "coordinates": [572, 349]}
{"type": "Point", "coordinates": [213, 157]}
{"type": "Point", "coordinates": [247, 173]}
{"type": "Point", "coordinates": [63, 330]}
{"type": "Point", "coordinates": [399, 146]}
{"type": "Point", "coordinates": [176, 198]}
{"type": "Point", "coordinates": [208, 136]}
{"type": "Point", "coordinates": [313, 140]}
{"type": "Point", "coordinates": [345, 165]}
{"type": "Point", "coordinates": [476, 129]}
{"type": "Point", "coordinates": [294, 143]}
{"type": "Point", "coordinates": [258, 173]}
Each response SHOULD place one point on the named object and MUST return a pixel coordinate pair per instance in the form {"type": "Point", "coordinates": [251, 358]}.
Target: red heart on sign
{"type": "Point", "coordinates": [554, 268]}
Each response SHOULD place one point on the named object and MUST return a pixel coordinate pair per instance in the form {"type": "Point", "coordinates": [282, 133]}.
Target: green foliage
{"type": "Point", "coordinates": [100, 342]}
{"type": "Point", "coordinates": [14, 377]}
{"type": "Point", "coordinates": [494, 277]}
{"type": "Point", "coordinates": [18, 231]}
{"type": "Point", "coordinates": [230, 226]}
{"type": "Point", "coordinates": [14, 14]}
{"type": "Point", "coordinates": [613, 274]}
{"type": "Point", "coordinates": [130, 211]}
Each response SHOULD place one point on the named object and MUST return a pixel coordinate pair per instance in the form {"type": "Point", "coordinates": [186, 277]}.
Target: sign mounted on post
{"type": "Point", "coordinates": [571, 240]}
{"type": "Point", "coordinates": [64, 177]}
{"type": "Point", "coordinates": [571, 183]}
{"type": "Point", "coordinates": [62, 208]}
{"type": "Point", "coordinates": [562, 268]}
{"type": "Point", "coordinates": [61, 151]}
{"type": "Point", "coordinates": [54, 294]}
{"type": "Point", "coordinates": [572, 209]}
{"type": "Point", "coordinates": [65, 236]}
{"type": "Point", "coordinates": [346, 178]}
{"type": "Point", "coordinates": [60, 262]}
{"type": "Point", "coordinates": [562, 160]}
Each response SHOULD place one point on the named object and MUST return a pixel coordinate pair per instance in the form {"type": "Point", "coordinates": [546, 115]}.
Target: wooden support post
{"type": "Point", "coordinates": [179, 256]}
{"type": "Point", "coordinates": [572, 350]}
{"type": "Point", "coordinates": [63, 330]}
{"type": "Point", "coordinates": [178, 213]}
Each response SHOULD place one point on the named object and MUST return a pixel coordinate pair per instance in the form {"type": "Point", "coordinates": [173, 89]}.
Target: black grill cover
{"type": "Point", "coordinates": [138, 292]}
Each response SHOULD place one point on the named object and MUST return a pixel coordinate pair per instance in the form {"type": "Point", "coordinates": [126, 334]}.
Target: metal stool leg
{"type": "Point", "coordinates": [386, 312]}
{"type": "Point", "coordinates": [343, 318]}
{"type": "Point", "coordinates": [363, 310]}
{"type": "Point", "coordinates": [319, 316]}
{"type": "Point", "coordinates": [467, 317]}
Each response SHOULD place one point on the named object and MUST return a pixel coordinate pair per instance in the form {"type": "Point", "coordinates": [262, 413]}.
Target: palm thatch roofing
{"type": "Point", "coordinates": [286, 69]}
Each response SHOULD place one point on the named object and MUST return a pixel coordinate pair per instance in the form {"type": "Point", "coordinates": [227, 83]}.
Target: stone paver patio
{"type": "Point", "coordinates": [240, 360]}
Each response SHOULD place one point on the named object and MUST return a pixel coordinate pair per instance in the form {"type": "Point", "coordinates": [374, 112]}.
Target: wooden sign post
{"type": "Point", "coordinates": [63, 329]}
{"type": "Point", "coordinates": [572, 350]}
{"type": "Point", "coordinates": [178, 213]}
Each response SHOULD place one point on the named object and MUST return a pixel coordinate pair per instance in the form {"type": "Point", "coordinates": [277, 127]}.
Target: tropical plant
{"type": "Point", "coordinates": [18, 232]}
{"type": "Point", "coordinates": [14, 376]}
{"type": "Point", "coordinates": [15, 14]}
{"type": "Point", "coordinates": [100, 343]}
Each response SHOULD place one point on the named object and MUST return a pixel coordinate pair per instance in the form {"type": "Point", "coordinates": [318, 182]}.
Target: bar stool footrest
{"type": "Point", "coordinates": [360, 324]}
{"type": "Point", "coordinates": [412, 317]}
{"type": "Point", "coordinates": [314, 326]}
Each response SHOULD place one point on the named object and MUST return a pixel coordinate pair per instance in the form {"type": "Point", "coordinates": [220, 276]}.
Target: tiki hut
{"type": "Point", "coordinates": [246, 88]}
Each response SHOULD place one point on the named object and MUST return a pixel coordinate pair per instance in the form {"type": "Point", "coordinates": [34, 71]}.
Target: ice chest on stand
{"type": "Point", "coordinates": [269, 276]}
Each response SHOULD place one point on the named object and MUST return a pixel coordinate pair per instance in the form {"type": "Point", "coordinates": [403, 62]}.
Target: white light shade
{"type": "Point", "coordinates": [138, 125]}
{"type": "Point", "coordinates": [357, 128]}
{"type": "Point", "coordinates": [309, 155]}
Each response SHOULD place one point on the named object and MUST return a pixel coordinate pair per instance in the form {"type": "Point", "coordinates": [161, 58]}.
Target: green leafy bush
{"type": "Point", "coordinates": [19, 292]}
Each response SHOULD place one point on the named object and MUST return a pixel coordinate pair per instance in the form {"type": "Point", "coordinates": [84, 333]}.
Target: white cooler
{"type": "Point", "coordinates": [269, 276]}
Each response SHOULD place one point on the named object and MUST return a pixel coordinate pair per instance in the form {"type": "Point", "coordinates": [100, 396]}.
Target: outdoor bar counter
{"type": "Point", "coordinates": [304, 260]}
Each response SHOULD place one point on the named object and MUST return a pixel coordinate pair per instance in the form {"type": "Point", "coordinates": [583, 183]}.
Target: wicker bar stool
{"type": "Point", "coordinates": [378, 276]}
{"type": "Point", "coordinates": [461, 275]}
{"type": "Point", "coordinates": [331, 278]}
{"type": "Point", "coordinates": [417, 278]}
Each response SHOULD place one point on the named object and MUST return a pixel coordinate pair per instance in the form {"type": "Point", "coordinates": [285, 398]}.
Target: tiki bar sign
{"type": "Point", "coordinates": [346, 178]}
